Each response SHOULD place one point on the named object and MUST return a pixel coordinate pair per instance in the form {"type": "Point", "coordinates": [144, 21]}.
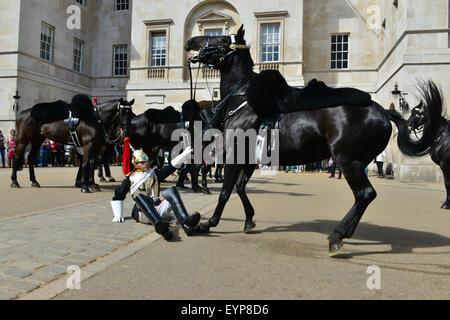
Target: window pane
{"type": "Point", "coordinates": [270, 42]}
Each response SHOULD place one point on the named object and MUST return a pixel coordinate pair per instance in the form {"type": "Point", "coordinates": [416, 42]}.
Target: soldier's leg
{"type": "Point", "coordinates": [147, 209]}
{"type": "Point", "coordinates": [188, 222]}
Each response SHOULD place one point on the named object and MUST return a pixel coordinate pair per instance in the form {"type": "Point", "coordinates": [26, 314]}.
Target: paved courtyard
{"type": "Point", "coordinates": [403, 232]}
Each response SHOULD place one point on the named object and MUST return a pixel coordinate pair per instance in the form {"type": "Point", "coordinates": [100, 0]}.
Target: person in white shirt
{"type": "Point", "coordinates": [380, 161]}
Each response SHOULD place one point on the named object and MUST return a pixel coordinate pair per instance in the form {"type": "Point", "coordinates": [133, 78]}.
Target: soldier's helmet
{"type": "Point", "coordinates": [139, 156]}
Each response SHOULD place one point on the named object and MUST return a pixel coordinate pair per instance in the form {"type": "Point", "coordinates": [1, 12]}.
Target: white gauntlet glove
{"type": "Point", "coordinates": [178, 161]}
{"type": "Point", "coordinates": [117, 207]}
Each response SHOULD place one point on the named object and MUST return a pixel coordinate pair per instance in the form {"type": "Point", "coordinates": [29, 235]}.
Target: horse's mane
{"type": "Point", "coordinates": [269, 93]}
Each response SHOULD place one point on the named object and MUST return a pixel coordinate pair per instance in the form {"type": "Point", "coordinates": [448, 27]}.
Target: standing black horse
{"type": "Point", "coordinates": [440, 147]}
{"type": "Point", "coordinates": [354, 135]}
{"type": "Point", "coordinates": [46, 120]}
{"type": "Point", "coordinates": [152, 131]}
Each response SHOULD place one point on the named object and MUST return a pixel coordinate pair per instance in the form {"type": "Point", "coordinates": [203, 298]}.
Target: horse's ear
{"type": "Point", "coordinates": [240, 34]}
{"type": "Point", "coordinates": [121, 101]}
{"type": "Point", "coordinates": [132, 102]}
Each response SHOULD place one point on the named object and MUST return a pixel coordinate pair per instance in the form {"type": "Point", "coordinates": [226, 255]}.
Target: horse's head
{"type": "Point", "coordinates": [125, 115]}
{"type": "Point", "coordinates": [417, 119]}
{"type": "Point", "coordinates": [215, 51]}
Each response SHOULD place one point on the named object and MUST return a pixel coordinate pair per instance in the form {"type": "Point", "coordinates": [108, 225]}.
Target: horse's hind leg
{"type": "Point", "coordinates": [205, 169]}
{"type": "Point", "coordinates": [195, 170]}
{"type": "Point", "coordinates": [34, 152]}
{"type": "Point", "coordinates": [364, 194]}
{"type": "Point", "coordinates": [95, 187]}
{"type": "Point", "coordinates": [446, 172]}
{"type": "Point", "coordinates": [244, 177]}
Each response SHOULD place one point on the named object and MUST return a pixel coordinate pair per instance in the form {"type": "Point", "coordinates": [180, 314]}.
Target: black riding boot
{"type": "Point", "coordinates": [187, 222]}
{"type": "Point", "coordinates": [147, 207]}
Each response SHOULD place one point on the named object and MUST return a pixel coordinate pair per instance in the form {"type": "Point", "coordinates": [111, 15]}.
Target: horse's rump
{"type": "Point", "coordinates": [167, 115]}
{"type": "Point", "coordinates": [50, 111]}
{"type": "Point", "coordinates": [270, 94]}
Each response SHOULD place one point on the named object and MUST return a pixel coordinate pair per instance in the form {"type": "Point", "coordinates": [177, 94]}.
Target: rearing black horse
{"type": "Point", "coordinates": [440, 148]}
{"type": "Point", "coordinates": [353, 135]}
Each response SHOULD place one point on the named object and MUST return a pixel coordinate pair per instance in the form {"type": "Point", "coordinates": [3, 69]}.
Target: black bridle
{"type": "Point", "coordinates": [207, 51]}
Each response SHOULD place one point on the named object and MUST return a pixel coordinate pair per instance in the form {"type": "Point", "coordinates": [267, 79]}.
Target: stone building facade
{"type": "Point", "coordinates": [368, 44]}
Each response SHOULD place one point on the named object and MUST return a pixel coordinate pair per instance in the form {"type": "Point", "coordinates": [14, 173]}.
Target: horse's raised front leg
{"type": "Point", "coordinates": [446, 172]}
{"type": "Point", "coordinates": [231, 176]}
{"type": "Point", "coordinates": [244, 177]}
{"type": "Point", "coordinates": [364, 194]}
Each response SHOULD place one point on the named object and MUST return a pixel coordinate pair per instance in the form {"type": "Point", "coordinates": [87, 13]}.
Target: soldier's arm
{"type": "Point", "coordinates": [122, 190]}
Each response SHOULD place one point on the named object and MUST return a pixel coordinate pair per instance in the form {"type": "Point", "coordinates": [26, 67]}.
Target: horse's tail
{"type": "Point", "coordinates": [433, 104]}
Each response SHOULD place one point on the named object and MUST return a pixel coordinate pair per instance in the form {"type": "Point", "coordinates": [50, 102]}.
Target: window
{"type": "Point", "coordinates": [122, 5]}
{"type": "Point", "coordinates": [339, 51]}
{"type": "Point", "coordinates": [158, 54]}
{"type": "Point", "coordinates": [47, 33]}
{"type": "Point", "coordinates": [270, 42]}
{"type": "Point", "coordinates": [78, 55]}
{"type": "Point", "coordinates": [213, 32]}
{"type": "Point", "coordinates": [80, 2]}
{"type": "Point", "coordinates": [120, 60]}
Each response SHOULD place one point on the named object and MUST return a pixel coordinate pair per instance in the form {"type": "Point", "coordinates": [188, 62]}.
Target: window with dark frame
{"type": "Point", "coordinates": [120, 60]}
{"type": "Point", "coordinates": [47, 33]}
{"type": "Point", "coordinates": [81, 2]}
{"type": "Point", "coordinates": [78, 55]}
{"type": "Point", "coordinates": [158, 51]}
{"type": "Point", "coordinates": [122, 5]}
{"type": "Point", "coordinates": [339, 51]}
{"type": "Point", "coordinates": [270, 42]}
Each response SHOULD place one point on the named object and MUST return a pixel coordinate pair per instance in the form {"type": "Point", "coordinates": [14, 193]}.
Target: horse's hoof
{"type": "Point", "coordinates": [445, 206]}
{"type": "Point", "coordinates": [15, 185]}
{"type": "Point", "coordinates": [334, 244]}
{"type": "Point", "coordinates": [206, 191]}
{"type": "Point", "coordinates": [35, 185]}
{"type": "Point", "coordinates": [111, 179]}
{"type": "Point", "coordinates": [197, 189]}
{"type": "Point", "coordinates": [249, 226]}
{"type": "Point", "coordinates": [202, 228]}
{"type": "Point", "coordinates": [102, 179]}
{"type": "Point", "coordinates": [181, 187]}
{"type": "Point", "coordinates": [85, 190]}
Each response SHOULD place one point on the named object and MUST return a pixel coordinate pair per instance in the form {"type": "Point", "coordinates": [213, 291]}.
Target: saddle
{"type": "Point", "coordinates": [269, 95]}
{"type": "Point", "coordinates": [81, 108]}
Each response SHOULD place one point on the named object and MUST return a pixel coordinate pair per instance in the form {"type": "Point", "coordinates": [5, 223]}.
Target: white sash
{"type": "Point", "coordinates": [142, 180]}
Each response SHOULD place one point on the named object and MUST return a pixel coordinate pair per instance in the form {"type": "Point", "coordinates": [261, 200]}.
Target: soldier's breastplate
{"type": "Point", "coordinates": [147, 187]}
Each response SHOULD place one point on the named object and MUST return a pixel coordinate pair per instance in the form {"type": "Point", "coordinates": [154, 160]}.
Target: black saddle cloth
{"type": "Point", "coordinates": [190, 111]}
{"type": "Point", "coordinates": [269, 94]}
{"type": "Point", "coordinates": [81, 107]}
{"type": "Point", "coordinates": [167, 115]}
